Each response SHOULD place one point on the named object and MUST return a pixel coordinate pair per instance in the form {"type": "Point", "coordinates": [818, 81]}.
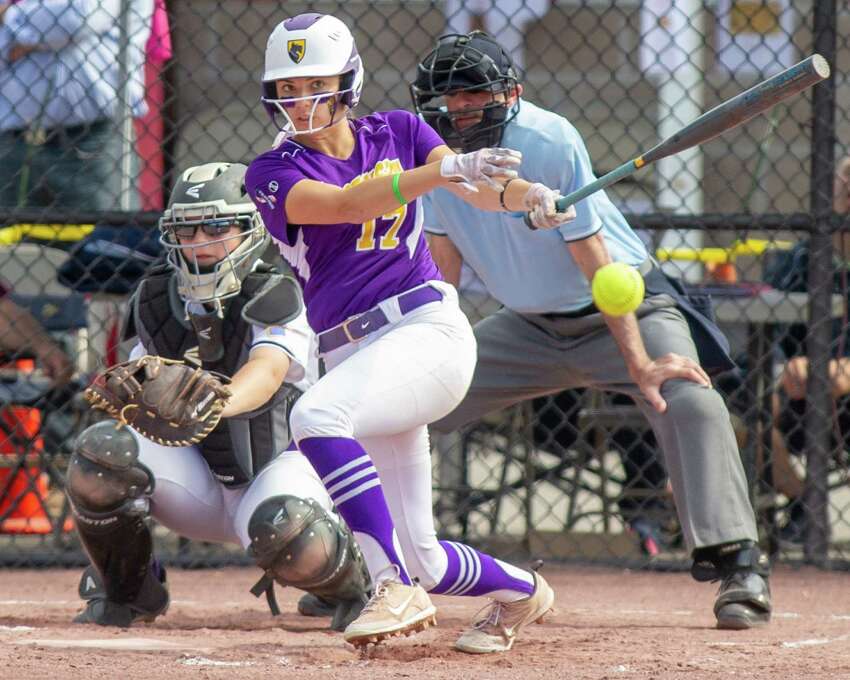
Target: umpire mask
{"type": "Point", "coordinates": [473, 63]}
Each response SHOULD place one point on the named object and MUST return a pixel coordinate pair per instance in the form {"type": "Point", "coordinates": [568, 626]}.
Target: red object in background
{"type": "Point", "coordinates": [149, 134]}
{"type": "Point", "coordinates": [150, 128]}
{"type": "Point", "coordinates": [29, 484]}
{"type": "Point", "coordinates": [113, 340]}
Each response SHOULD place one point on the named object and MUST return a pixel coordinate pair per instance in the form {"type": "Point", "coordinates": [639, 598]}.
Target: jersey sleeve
{"type": "Point", "coordinates": [416, 132]}
{"type": "Point", "coordinates": [269, 180]}
{"type": "Point", "coordinates": [575, 172]}
{"type": "Point", "coordinates": [425, 139]}
{"type": "Point", "coordinates": [557, 157]}
{"type": "Point", "coordinates": [294, 338]}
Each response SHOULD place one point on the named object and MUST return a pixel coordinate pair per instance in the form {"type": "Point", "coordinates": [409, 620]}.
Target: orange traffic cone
{"type": "Point", "coordinates": [722, 272]}
{"type": "Point", "coordinates": [22, 495]}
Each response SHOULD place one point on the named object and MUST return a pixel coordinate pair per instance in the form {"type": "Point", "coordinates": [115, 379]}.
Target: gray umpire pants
{"type": "Point", "coordinates": [532, 355]}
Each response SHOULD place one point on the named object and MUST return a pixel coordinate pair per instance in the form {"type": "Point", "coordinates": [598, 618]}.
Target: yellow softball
{"type": "Point", "coordinates": [617, 289]}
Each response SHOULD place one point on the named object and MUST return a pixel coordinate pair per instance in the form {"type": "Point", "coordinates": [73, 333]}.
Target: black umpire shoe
{"type": "Point", "coordinates": [153, 600]}
{"type": "Point", "coordinates": [744, 598]}
{"type": "Point", "coordinates": [743, 601]}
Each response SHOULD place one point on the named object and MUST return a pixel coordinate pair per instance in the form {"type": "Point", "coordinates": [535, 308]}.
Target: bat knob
{"type": "Point", "coordinates": [527, 219]}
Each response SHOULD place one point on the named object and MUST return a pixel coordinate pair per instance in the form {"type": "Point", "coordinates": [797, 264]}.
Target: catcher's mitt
{"type": "Point", "coordinates": [164, 400]}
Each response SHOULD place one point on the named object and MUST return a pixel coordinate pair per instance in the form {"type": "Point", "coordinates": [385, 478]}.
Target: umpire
{"type": "Point", "coordinates": [549, 336]}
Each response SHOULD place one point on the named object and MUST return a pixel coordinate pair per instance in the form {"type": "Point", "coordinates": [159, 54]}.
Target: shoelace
{"type": "Point", "coordinates": [380, 593]}
{"type": "Point", "coordinates": [493, 617]}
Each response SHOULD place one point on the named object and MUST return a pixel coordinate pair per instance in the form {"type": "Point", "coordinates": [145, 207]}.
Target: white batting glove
{"type": "Point", "coordinates": [539, 201]}
{"type": "Point", "coordinates": [493, 167]}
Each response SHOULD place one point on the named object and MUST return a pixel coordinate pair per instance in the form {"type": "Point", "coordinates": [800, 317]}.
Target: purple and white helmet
{"type": "Point", "coordinates": [309, 46]}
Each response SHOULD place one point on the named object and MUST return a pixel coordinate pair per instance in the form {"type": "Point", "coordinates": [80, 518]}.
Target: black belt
{"type": "Point", "coordinates": [576, 314]}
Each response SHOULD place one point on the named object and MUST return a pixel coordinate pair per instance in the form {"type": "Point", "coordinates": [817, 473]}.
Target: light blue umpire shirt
{"type": "Point", "coordinates": [533, 271]}
{"type": "Point", "coordinates": [74, 79]}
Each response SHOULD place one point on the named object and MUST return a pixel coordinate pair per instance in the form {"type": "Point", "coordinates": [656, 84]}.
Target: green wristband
{"type": "Point", "coordinates": [397, 191]}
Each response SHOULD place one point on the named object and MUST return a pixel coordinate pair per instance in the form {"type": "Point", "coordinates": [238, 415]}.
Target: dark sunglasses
{"type": "Point", "coordinates": [210, 228]}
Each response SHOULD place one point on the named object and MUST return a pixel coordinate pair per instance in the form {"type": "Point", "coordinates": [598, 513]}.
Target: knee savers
{"type": "Point", "coordinates": [297, 544]}
{"type": "Point", "coordinates": [106, 483]}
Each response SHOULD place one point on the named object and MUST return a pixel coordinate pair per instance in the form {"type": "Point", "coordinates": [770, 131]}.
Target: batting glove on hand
{"type": "Point", "coordinates": [493, 167]}
{"type": "Point", "coordinates": [539, 200]}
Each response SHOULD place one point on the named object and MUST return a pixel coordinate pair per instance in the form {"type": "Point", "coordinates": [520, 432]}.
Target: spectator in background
{"type": "Point", "coordinates": [62, 138]}
{"type": "Point", "coordinates": [790, 272]}
{"type": "Point", "coordinates": [21, 334]}
{"type": "Point", "coordinates": [505, 20]}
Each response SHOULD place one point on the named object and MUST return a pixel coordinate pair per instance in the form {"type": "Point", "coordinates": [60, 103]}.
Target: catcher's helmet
{"type": "Point", "coordinates": [471, 62]}
{"type": "Point", "coordinates": [212, 197]}
{"type": "Point", "coordinates": [309, 46]}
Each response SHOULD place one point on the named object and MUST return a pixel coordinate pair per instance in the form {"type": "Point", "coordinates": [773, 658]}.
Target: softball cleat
{"type": "Point", "coordinates": [496, 626]}
{"type": "Point", "coordinates": [395, 609]}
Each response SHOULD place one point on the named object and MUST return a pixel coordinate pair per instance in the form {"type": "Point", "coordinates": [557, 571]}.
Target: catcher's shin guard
{"type": "Point", "coordinates": [150, 602]}
{"type": "Point", "coordinates": [297, 544]}
{"type": "Point", "coordinates": [108, 489]}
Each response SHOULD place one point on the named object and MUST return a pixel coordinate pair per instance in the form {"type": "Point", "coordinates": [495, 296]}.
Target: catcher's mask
{"type": "Point", "coordinates": [213, 198]}
{"type": "Point", "coordinates": [473, 63]}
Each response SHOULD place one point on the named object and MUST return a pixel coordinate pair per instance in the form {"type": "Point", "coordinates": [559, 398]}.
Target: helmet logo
{"type": "Point", "coordinates": [296, 49]}
{"type": "Point", "coordinates": [194, 191]}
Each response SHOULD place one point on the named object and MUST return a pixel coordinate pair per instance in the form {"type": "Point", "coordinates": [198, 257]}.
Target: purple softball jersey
{"type": "Point", "coordinates": [348, 268]}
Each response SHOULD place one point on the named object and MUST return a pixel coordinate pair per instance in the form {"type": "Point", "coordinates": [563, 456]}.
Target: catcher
{"type": "Point", "coordinates": [225, 302]}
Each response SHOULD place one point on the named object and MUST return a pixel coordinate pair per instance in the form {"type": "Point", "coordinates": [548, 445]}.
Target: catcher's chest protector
{"type": "Point", "coordinates": [236, 449]}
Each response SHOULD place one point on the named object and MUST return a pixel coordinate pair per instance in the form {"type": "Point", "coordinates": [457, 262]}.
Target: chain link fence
{"type": "Point", "coordinates": [104, 102]}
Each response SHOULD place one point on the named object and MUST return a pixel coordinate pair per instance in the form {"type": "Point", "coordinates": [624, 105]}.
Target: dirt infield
{"type": "Point", "coordinates": [609, 624]}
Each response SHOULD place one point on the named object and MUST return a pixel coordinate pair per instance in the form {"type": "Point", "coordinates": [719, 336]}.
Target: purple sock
{"type": "Point", "coordinates": [473, 573]}
{"type": "Point", "coordinates": [352, 482]}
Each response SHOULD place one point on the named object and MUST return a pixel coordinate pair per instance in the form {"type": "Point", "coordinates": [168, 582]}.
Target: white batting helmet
{"type": "Point", "coordinates": [309, 46]}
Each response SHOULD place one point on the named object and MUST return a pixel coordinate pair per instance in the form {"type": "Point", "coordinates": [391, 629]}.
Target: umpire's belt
{"type": "Point", "coordinates": [360, 325]}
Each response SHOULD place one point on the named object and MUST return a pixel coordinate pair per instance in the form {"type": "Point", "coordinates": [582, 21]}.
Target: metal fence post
{"type": "Point", "coordinates": [819, 400]}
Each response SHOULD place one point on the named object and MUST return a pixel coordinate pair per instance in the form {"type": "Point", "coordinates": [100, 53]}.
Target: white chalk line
{"type": "Point", "coordinates": [133, 644]}
{"type": "Point", "coordinates": [151, 644]}
{"type": "Point", "coordinates": [204, 661]}
{"type": "Point", "coordinates": [815, 642]}
{"type": "Point", "coordinates": [67, 603]}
